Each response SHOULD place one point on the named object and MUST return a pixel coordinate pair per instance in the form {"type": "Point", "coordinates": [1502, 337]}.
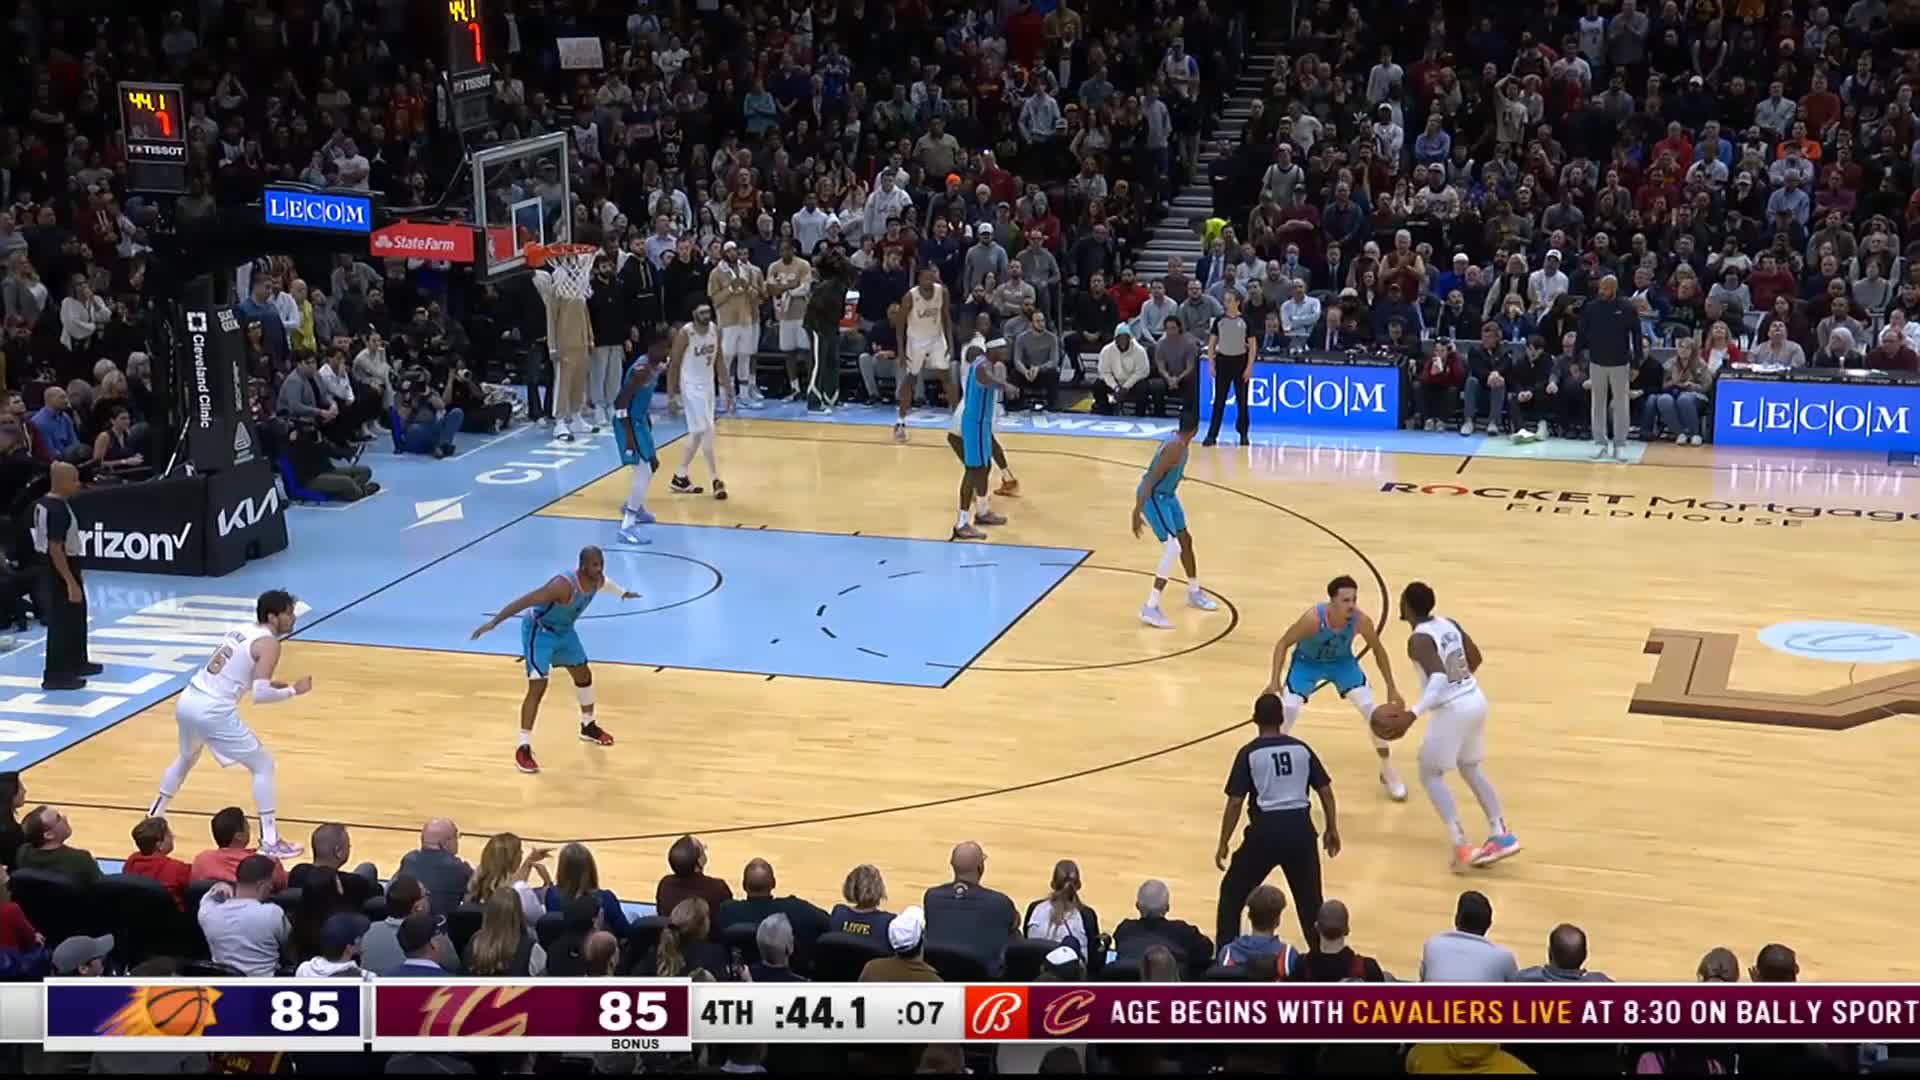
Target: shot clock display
{"type": "Point", "coordinates": [469, 71]}
{"type": "Point", "coordinates": [153, 118]}
{"type": "Point", "coordinates": [873, 1012]}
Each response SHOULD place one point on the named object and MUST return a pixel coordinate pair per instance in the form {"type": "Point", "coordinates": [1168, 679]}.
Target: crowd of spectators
{"type": "Point", "coordinates": [525, 911]}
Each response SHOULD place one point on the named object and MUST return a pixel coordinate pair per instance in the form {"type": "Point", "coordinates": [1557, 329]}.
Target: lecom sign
{"type": "Point", "coordinates": [419, 240]}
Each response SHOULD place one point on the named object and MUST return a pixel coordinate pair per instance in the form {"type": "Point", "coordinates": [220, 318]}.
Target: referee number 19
{"type": "Point", "coordinates": [636, 1011]}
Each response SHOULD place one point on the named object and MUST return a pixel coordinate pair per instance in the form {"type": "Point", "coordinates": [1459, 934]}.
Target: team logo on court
{"type": "Point", "coordinates": [1691, 680]}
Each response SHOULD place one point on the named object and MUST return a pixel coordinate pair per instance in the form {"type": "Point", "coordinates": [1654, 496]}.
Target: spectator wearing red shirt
{"type": "Point", "coordinates": [231, 837]}
{"type": "Point", "coordinates": [17, 932]}
{"type": "Point", "coordinates": [153, 858]}
{"type": "Point", "coordinates": [1769, 280]}
{"type": "Point", "coordinates": [1128, 295]}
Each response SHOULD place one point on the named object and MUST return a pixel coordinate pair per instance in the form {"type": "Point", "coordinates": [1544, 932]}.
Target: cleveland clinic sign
{"type": "Point", "coordinates": [1354, 396]}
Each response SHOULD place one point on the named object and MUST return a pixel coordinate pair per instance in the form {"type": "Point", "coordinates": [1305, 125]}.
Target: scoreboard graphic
{"type": "Point", "coordinates": [235, 1014]}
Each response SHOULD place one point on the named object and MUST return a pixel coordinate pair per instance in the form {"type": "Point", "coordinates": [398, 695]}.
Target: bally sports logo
{"type": "Point", "coordinates": [996, 1012]}
{"type": "Point", "coordinates": [422, 240]}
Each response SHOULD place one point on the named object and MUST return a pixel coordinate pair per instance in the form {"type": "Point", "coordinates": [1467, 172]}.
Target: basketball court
{"type": "Point", "coordinates": [814, 675]}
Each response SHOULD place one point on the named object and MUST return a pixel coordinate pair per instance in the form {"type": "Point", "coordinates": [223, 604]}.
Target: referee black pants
{"type": "Point", "coordinates": [1284, 840]}
{"type": "Point", "coordinates": [66, 623]}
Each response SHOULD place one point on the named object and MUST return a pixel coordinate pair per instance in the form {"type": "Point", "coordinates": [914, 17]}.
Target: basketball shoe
{"type": "Point", "coordinates": [988, 517]}
{"type": "Point", "coordinates": [595, 734]}
{"type": "Point", "coordinates": [1495, 849]}
{"type": "Point", "coordinates": [967, 532]}
{"type": "Point", "coordinates": [1390, 780]}
{"type": "Point", "coordinates": [1009, 488]}
{"type": "Point", "coordinates": [523, 760]}
{"type": "Point", "coordinates": [281, 850]}
{"type": "Point", "coordinates": [1154, 617]}
{"type": "Point", "coordinates": [1463, 857]}
{"type": "Point", "coordinates": [1197, 597]}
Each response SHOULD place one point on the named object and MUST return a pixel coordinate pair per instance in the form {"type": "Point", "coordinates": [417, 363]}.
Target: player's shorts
{"type": "Point", "coordinates": [738, 340]}
{"type": "Point", "coordinates": [634, 437]}
{"type": "Point", "coordinates": [205, 721]}
{"type": "Point", "coordinates": [697, 406]}
{"type": "Point", "coordinates": [1165, 516]}
{"type": "Point", "coordinates": [1306, 676]}
{"type": "Point", "coordinates": [794, 336]}
{"type": "Point", "coordinates": [931, 355]}
{"type": "Point", "coordinates": [1456, 732]}
{"type": "Point", "coordinates": [976, 442]}
{"type": "Point", "coordinates": [545, 648]}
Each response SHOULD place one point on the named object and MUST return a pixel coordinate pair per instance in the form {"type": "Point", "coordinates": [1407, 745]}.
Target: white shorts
{"type": "Point", "coordinates": [1456, 733]}
{"type": "Point", "coordinates": [698, 406]}
{"type": "Point", "coordinates": [794, 336]}
{"type": "Point", "coordinates": [933, 355]}
{"type": "Point", "coordinates": [739, 340]}
{"type": "Point", "coordinates": [206, 721]}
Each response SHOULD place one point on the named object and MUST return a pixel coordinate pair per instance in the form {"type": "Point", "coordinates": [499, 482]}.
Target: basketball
{"type": "Point", "coordinates": [1391, 721]}
{"type": "Point", "coordinates": [179, 1010]}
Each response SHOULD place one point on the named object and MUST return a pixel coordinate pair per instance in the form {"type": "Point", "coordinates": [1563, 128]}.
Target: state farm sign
{"type": "Point", "coordinates": [419, 240]}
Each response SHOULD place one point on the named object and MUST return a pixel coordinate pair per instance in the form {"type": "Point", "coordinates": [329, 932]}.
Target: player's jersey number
{"type": "Point", "coordinates": [219, 659]}
{"type": "Point", "coordinates": [1455, 663]}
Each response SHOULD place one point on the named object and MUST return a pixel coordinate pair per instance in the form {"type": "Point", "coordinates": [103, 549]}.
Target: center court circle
{"type": "Point", "coordinates": [1843, 642]}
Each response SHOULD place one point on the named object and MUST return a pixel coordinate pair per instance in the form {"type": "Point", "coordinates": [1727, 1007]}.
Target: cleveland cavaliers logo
{"type": "Point", "coordinates": [1691, 679]}
{"type": "Point", "coordinates": [473, 1010]}
{"type": "Point", "coordinates": [1068, 1013]}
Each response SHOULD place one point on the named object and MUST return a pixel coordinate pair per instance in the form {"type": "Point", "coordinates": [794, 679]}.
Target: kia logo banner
{"type": "Point", "coordinates": [325, 211]}
{"type": "Point", "coordinates": [421, 240]}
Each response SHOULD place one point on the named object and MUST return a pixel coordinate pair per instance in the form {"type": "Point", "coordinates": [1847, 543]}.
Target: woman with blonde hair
{"type": "Point", "coordinates": [503, 947]}
{"type": "Point", "coordinates": [502, 866]}
{"type": "Point", "coordinates": [683, 946]}
{"type": "Point", "coordinates": [865, 890]}
{"type": "Point", "coordinates": [1060, 916]}
{"type": "Point", "coordinates": [575, 876]}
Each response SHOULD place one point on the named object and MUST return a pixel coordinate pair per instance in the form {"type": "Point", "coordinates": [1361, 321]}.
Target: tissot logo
{"type": "Point", "coordinates": [1691, 679]}
{"type": "Point", "coordinates": [1561, 502]}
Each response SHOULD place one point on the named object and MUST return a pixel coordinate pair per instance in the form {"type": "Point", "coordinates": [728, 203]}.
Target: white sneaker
{"type": "Point", "coordinates": [1390, 781]}
{"type": "Point", "coordinates": [1541, 432]}
{"type": "Point", "coordinates": [1198, 598]}
{"type": "Point", "coordinates": [583, 426]}
{"type": "Point", "coordinates": [1523, 435]}
{"type": "Point", "coordinates": [280, 850]}
{"type": "Point", "coordinates": [1619, 452]}
{"type": "Point", "coordinates": [1154, 617]}
{"type": "Point", "coordinates": [1693, 440]}
{"type": "Point", "coordinates": [1493, 431]}
{"type": "Point", "coordinates": [1466, 427]}
{"type": "Point", "coordinates": [1602, 452]}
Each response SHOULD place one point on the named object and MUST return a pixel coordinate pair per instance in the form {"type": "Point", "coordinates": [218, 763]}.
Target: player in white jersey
{"type": "Point", "coordinates": [690, 380]}
{"type": "Point", "coordinates": [1456, 712]}
{"type": "Point", "coordinates": [209, 718]}
{"type": "Point", "coordinates": [925, 334]}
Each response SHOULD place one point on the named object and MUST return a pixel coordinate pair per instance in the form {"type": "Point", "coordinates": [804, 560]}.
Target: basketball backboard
{"type": "Point", "coordinates": [522, 194]}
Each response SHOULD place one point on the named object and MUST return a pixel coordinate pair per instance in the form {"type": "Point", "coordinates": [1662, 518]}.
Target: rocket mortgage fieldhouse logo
{"type": "Point", "coordinates": [1565, 502]}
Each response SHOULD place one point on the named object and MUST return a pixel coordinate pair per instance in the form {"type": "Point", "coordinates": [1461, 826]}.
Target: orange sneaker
{"type": "Point", "coordinates": [1463, 855]}
{"type": "Point", "coordinates": [1009, 487]}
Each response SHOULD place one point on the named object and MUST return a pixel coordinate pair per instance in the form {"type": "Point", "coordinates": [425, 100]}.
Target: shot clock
{"type": "Point", "coordinates": [196, 1014]}
{"type": "Point", "coordinates": [469, 68]}
{"type": "Point", "coordinates": [801, 1012]}
{"type": "Point", "coordinates": [153, 118]}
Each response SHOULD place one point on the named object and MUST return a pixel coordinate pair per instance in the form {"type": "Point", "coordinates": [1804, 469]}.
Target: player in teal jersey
{"type": "Point", "coordinates": [1321, 641]}
{"type": "Point", "coordinates": [633, 434]}
{"type": "Point", "coordinates": [548, 638]}
{"type": "Point", "coordinates": [981, 382]}
{"type": "Point", "coordinates": [1156, 503]}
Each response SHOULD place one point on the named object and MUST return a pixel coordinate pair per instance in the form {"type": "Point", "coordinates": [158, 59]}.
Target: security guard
{"type": "Point", "coordinates": [1276, 770]}
{"type": "Point", "coordinates": [62, 597]}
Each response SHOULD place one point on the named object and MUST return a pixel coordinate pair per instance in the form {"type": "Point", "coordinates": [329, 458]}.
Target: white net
{"type": "Point", "coordinates": [572, 274]}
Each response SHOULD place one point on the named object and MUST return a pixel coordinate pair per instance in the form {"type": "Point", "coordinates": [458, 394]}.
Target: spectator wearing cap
{"type": "Point", "coordinates": [380, 947]}
{"type": "Point", "coordinates": [46, 831]}
{"type": "Point", "coordinates": [232, 845]}
{"type": "Point", "coordinates": [243, 929]}
{"type": "Point", "coordinates": [966, 916]}
{"type": "Point", "coordinates": [1133, 937]}
{"type": "Point", "coordinates": [906, 934]}
{"type": "Point", "coordinates": [986, 256]}
{"type": "Point", "coordinates": [1125, 376]}
{"type": "Point", "coordinates": [437, 865]}
{"type": "Point", "coordinates": [423, 946]}
{"type": "Point", "coordinates": [82, 957]}
{"type": "Point", "coordinates": [153, 858]}
{"type": "Point", "coordinates": [1463, 954]}
{"type": "Point", "coordinates": [340, 938]}
{"type": "Point", "coordinates": [687, 859]}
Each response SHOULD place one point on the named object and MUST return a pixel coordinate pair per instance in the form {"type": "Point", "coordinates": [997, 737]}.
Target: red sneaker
{"type": "Point", "coordinates": [595, 734]}
{"type": "Point", "coordinates": [523, 760]}
{"type": "Point", "coordinates": [1009, 488]}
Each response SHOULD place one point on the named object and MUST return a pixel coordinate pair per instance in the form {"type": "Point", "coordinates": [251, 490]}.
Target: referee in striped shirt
{"type": "Point", "coordinates": [1276, 771]}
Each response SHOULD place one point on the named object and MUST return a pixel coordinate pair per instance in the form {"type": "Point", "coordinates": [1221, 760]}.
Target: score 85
{"type": "Point", "coordinates": [623, 1011]}
{"type": "Point", "coordinates": [312, 1011]}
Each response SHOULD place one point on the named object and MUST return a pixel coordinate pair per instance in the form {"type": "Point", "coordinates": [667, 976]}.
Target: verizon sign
{"type": "Point", "coordinates": [419, 240]}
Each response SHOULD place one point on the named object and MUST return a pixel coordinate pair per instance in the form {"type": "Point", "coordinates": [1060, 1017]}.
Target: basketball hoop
{"type": "Point", "coordinates": [572, 267]}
